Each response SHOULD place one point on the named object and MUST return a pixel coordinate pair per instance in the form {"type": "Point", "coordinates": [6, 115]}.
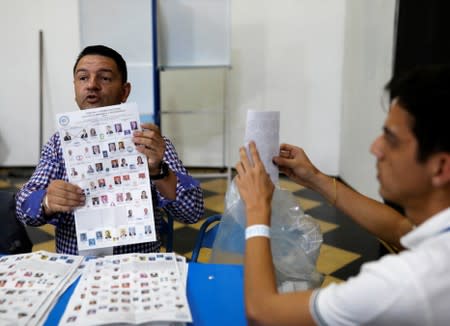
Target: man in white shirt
{"type": "Point", "coordinates": [413, 164]}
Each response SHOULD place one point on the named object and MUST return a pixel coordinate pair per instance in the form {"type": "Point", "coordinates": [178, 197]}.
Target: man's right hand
{"type": "Point", "coordinates": [293, 162]}
{"type": "Point", "coordinates": [254, 185]}
{"type": "Point", "coordinates": [62, 196]}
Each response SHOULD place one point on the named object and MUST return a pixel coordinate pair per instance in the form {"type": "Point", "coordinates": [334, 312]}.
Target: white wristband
{"type": "Point", "coordinates": [257, 230]}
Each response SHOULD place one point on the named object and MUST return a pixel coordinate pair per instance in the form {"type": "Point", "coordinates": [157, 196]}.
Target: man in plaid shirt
{"type": "Point", "coordinates": [100, 79]}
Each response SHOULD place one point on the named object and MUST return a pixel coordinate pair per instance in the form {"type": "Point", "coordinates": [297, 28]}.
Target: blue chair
{"type": "Point", "coordinates": [167, 230]}
{"type": "Point", "coordinates": [206, 235]}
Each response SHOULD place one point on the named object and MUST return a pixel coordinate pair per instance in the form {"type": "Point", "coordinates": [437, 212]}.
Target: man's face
{"type": "Point", "coordinates": [402, 178]}
{"type": "Point", "coordinates": [98, 82]}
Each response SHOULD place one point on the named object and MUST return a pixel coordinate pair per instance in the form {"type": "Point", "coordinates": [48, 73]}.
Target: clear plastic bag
{"type": "Point", "coordinates": [295, 240]}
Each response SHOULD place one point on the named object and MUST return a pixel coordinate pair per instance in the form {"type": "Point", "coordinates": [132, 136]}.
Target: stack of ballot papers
{"type": "Point", "coordinates": [31, 283]}
{"type": "Point", "coordinates": [130, 289]}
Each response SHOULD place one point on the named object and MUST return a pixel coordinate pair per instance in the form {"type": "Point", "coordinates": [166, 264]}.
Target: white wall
{"type": "Point", "coordinates": [20, 22]}
{"type": "Point", "coordinates": [323, 64]}
{"type": "Point", "coordinates": [369, 39]}
{"type": "Point", "coordinates": [286, 55]}
{"type": "Point", "coordinates": [192, 102]}
{"type": "Point", "coordinates": [127, 29]}
{"type": "Point", "coordinates": [60, 23]}
{"type": "Point", "coordinates": [18, 89]}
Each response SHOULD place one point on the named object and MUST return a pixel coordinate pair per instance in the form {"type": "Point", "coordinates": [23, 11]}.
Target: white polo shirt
{"type": "Point", "coordinates": [409, 288]}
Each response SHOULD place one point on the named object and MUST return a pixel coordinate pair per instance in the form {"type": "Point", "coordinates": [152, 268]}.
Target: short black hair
{"type": "Point", "coordinates": [106, 52]}
{"type": "Point", "coordinates": [424, 92]}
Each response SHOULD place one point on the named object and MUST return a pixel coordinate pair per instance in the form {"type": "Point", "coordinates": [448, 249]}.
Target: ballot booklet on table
{"type": "Point", "coordinates": [129, 289]}
{"type": "Point", "coordinates": [31, 283]}
{"type": "Point", "coordinates": [101, 158]}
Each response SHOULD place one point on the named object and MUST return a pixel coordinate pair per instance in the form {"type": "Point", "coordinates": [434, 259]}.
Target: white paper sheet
{"type": "Point", "coordinates": [130, 289]}
{"type": "Point", "coordinates": [101, 158]}
{"type": "Point", "coordinates": [31, 283]}
{"type": "Point", "coordinates": [263, 127]}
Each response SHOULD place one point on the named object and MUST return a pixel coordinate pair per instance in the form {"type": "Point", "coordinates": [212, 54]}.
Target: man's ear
{"type": "Point", "coordinates": [441, 169]}
{"type": "Point", "coordinates": [126, 91]}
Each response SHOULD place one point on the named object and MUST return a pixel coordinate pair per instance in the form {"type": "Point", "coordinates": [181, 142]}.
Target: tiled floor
{"type": "Point", "coordinates": [345, 247]}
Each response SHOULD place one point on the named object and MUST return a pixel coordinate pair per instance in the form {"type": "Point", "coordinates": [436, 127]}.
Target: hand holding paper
{"type": "Point", "coordinates": [63, 196]}
{"type": "Point", "coordinates": [150, 143]}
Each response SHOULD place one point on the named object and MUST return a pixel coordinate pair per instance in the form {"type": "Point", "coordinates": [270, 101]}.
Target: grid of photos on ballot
{"type": "Point", "coordinates": [102, 159]}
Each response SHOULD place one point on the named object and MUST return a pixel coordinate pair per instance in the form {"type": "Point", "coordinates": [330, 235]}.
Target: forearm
{"type": "Point", "coordinates": [379, 219]}
{"type": "Point", "coordinates": [181, 194]}
{"type": "Point", "coordinates": [29, 199]}
{"type": "Point", "coordinates": [188, 205]}
{"type": "Point", "coordinates": [167, 186]}
{"type": "Point", "coordinates": [259, 275]}
{"type": "Point", "coordinates": [29, 208]}
{"type": "Point", "coordinates": [264, 305]}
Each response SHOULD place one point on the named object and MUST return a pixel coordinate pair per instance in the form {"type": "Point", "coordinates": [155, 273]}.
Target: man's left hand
{"type": "Point", "coordinates": [150, 142]}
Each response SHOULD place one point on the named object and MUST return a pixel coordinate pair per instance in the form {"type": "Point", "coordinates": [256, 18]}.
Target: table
{"type": "Point", "coordinates": [215, 293]}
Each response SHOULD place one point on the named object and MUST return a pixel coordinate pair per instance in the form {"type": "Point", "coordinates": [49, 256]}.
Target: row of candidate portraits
{"type": "Point", "coordinates": [112, 182]}
{"type": "Point", "coordinates": [117, 128]}
{"type": "Point", "coordinates": [111, 234]}
{"type": "Point", "coordinates": [113, 199]}
{"type": "Point", "coordinates": [99, 150]}
{"type": "Point", "coordinates": [105, 167]}
{"type": "Point", "coordinates": [102, 191]}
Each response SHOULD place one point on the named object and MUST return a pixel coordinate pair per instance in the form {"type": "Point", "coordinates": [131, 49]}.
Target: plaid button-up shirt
{"type": "Point", "coordinates": [186, 208]}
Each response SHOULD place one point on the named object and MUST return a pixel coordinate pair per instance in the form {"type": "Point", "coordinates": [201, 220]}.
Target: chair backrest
{"type": "Point", "coordinates": [166, 230]}
{"type": "Point", "coordinates": [206, 235]}
{"type": "Point", "coordinates": [14, 238]}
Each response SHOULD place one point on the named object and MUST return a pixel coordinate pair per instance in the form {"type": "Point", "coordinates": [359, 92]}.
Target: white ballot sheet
{"type": "Point", "coordinates": [31, 283]}
{"type": "Point", "coordinates": [263, 127]}
{"type": "Point", "coordinates": [101, 158]}
{"type": "Point", "coordinates": [130, 289]}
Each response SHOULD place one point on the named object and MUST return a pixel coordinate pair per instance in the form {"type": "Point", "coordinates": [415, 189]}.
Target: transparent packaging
{"type": "Point", "coordinates": [295, 240]}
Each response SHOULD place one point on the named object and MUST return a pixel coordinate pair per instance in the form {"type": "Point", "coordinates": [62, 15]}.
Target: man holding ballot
{"type": "Point", "coordinates": [100, 79]}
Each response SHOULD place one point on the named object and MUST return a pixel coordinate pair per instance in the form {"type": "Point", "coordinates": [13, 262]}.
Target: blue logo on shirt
{"type": "Point", "coordinates": [64, 120]}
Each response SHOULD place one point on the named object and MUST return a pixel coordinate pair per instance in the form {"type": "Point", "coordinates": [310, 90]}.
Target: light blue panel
{"type": "Point", "coordinates": [125, 26]}
{"type": "Point", "coordinates": [194, 33]}
{"type": "Point", "coordinates": [147, 118]}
